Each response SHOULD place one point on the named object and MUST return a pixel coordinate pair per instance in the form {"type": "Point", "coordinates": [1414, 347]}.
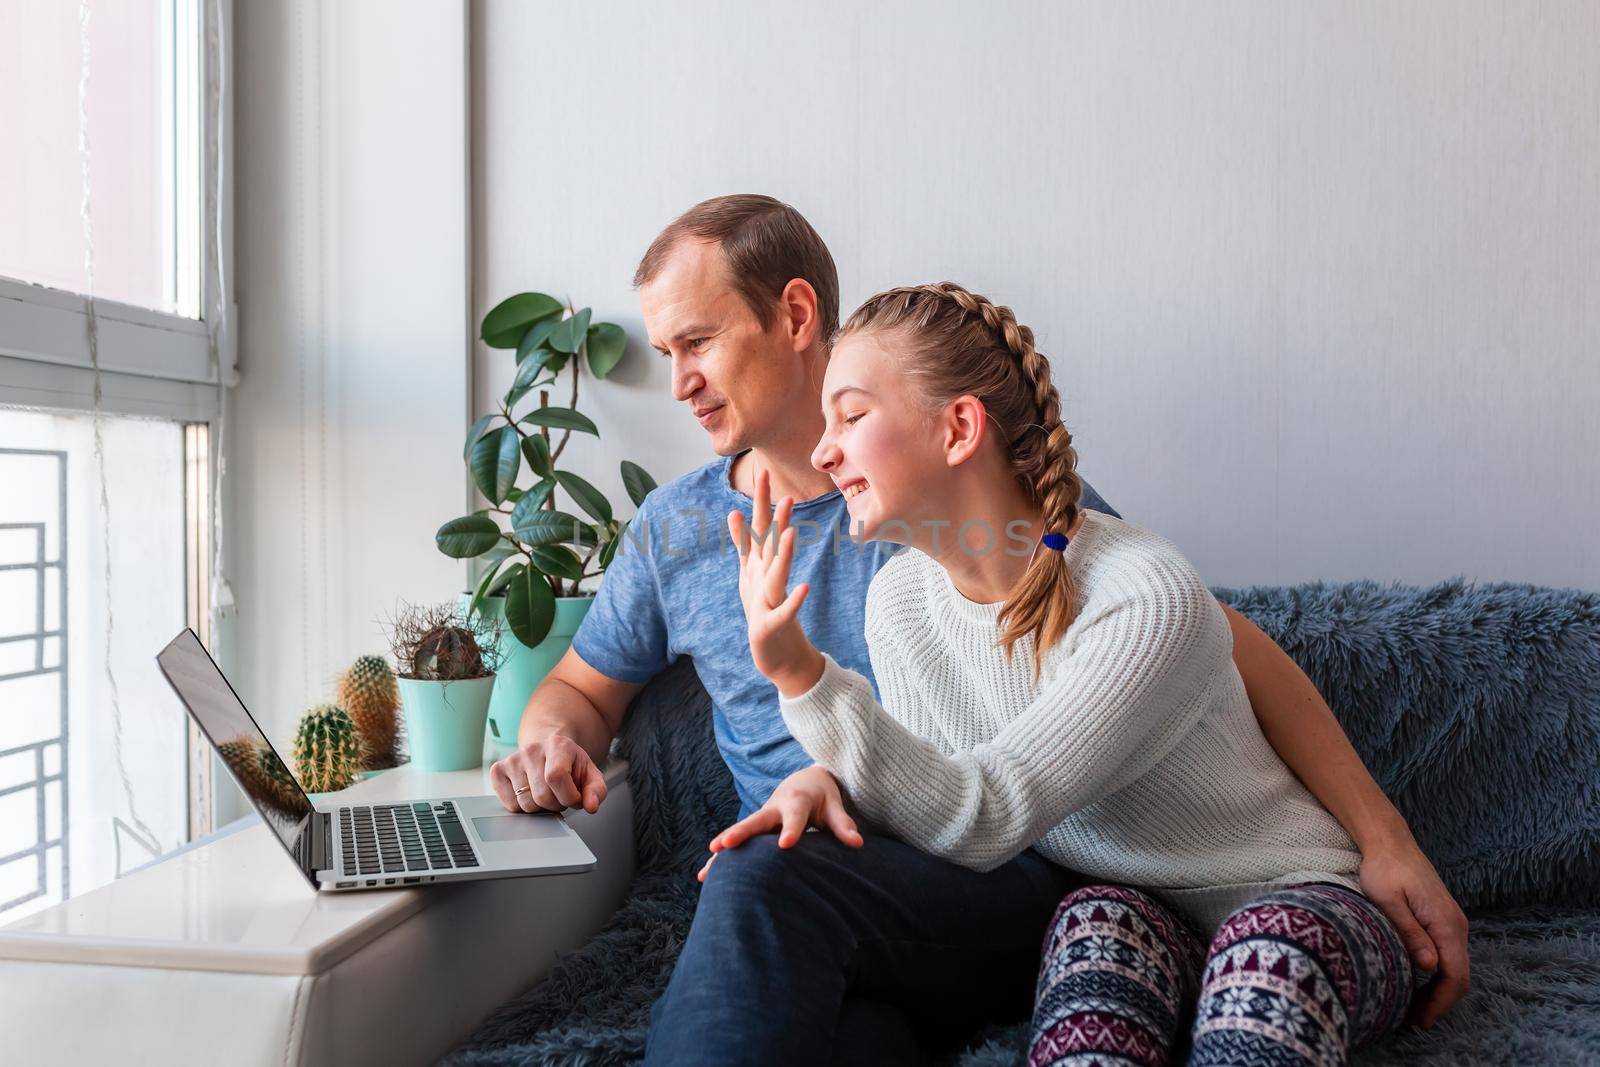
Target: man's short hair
{"type": "Point", "coordinates": [766, 244]}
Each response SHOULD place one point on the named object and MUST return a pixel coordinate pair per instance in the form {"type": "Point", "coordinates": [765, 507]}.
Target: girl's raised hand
{"type": "Point", "coordinates": [778, 643]}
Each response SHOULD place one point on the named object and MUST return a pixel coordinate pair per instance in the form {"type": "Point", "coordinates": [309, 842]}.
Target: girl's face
{"type": "Point", "coordinates": [879, 445]}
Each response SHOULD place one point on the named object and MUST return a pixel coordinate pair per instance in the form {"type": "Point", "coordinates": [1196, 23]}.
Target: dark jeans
{"type": "Point", "coordinates": [882, 954]}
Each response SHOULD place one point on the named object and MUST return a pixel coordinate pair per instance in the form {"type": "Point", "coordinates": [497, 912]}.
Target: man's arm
{"type": "Point", "coordinates": [578, 702]}
{"type": "Point", "coordinates": [570, 719]}
{"type": "Point", "coordinates": [1395, 873]}
{"type": "Point", "coordinates": [562, 742]}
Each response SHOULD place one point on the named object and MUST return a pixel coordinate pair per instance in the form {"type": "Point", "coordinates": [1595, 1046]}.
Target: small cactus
{"type": "Point", "coordinates": [327, 754]}
{"type": "Point", "coordinates": [449, 652]}
{"type": "Point", "coordinates": [437, 643]}
{"type": "Point", "coordinates": [369, 693]}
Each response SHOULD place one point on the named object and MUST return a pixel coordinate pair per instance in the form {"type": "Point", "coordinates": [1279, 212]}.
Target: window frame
{"type": "Point", "coordinates": [159, 363]}
{"type": "Point", "coordinates": [153, 363]}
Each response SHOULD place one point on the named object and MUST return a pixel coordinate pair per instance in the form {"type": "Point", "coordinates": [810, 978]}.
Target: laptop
{"type": "Point", "coordinates": [365, 846]}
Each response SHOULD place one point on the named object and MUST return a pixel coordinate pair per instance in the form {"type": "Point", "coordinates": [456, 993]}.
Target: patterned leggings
{"type": "Point", "coordinates": [1302, 975]}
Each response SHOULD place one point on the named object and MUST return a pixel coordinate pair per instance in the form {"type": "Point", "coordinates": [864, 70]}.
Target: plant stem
{"type": "Point", "coordinates": [576, 356]}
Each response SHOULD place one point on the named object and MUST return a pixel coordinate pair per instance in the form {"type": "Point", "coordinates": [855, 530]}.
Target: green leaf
{"type": "Point", "coordinates": [487, 580]}
{"type": "Point", "coordinates": [497, 554]}
{"type": "Point", "coordinates": [537, 450]}
{"type": "Point", "coordinates": [531, 503]}
{"type": "Point", "coordinates": [468, 536]}
{"type": "Point", "coordinates": [570, 333]}
{"type": "Point", "coordinates": [607, 342]}
{"type": "Point", "coordinates": [534, 340]}
{"type": "Point", "coordinates": [588, 497]}
{"type": "Point", "coordinates": [545, 527]}
{"type": "Point", "coordinates": [495, 461]}
{"type": "Point", "coordinates": [526, 373]}
{"type": "Point", "coordinates": [475, 432]}
{"type": "Point", "coordinates": [530, 607]}
{"type": "Point", "coordinates": [516, 395]}
{"type": "Point", "coordinates": [476, 605]}
{"type": "Point", "coordinates": [502, 583]}
{"type": "Point", "coordinates": [636, 482]}
{"type": "Point", "coordinates": [557, 559]}
{"type": "Point", "coordinates": [610, 548]}
{"type": "Point", "coordinates": [505, 324]}
{"type": "Point", "coordinates": [520, 385]}
{"type": "Point", "coordinates": [561, 419]}
{"type": "Point", "coordinates": [542, 489]}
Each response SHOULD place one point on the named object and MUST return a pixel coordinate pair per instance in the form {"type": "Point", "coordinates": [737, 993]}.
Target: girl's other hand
{"type": "Point", "coordinates": [808, 797]}
{"type": "Point", "coordinates": [1403, 883]}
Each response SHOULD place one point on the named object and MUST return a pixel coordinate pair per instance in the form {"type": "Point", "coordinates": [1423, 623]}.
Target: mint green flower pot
{"type": "Point", "coordinates": [523, 668]}
{"type": "Point", "coordinates": [444, 721]}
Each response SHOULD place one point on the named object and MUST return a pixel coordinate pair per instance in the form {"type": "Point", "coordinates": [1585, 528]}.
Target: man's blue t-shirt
{"type": "Point", "coordinates": [672, 589]}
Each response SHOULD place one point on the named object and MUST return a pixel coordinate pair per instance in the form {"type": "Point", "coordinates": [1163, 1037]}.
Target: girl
{"type": "Point", "coordinates": [1077, 696]}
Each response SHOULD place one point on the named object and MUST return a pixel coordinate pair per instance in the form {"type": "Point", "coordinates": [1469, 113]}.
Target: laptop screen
{"type": "Point", "coordinates": [250, 758]}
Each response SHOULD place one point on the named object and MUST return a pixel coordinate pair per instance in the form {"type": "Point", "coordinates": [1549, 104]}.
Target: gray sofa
{"type": "Point", "coordinates": [1477, 707]}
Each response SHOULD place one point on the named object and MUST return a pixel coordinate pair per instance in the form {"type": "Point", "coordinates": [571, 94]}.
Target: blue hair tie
{"type": "Point", "coordinates": [1056, 541]}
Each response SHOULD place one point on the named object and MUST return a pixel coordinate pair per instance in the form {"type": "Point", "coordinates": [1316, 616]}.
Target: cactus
{"type": "Point", "coordinates": [369, 693]}
{"type": "Point", "coordinates": [327, 754]}
{"type": "Point", "coordinates": [447, 653]}
{"type": "Point", "coordinates": [435, 643]}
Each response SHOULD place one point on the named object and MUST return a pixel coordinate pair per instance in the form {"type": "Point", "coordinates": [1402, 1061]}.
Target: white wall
{"type": "Point", "coordinates": [352, 249]}
{"type": "Point", "coordinates": [1320, 279]}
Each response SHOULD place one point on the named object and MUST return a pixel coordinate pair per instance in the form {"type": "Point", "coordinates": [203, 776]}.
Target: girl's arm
{"type": "Point", "coordinates": [1395, 873]}
{"type": "Point", "coordinates": [1302, 728]}
{"type": "Point", "coordinates": [1134, 685]}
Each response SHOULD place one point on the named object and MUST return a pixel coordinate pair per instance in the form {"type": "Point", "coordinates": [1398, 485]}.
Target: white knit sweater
{"type": "Point", "coordinates": [1136, 758]}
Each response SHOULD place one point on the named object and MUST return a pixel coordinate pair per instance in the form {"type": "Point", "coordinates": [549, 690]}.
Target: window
{"type": "Point", "coordinates": [79, 614]}
{"type": "Point", "coordinates": [111, 151]}
{"type": "Point", "coordinates": [141, 124]}
{"type": "Point", "coordinates": [115, 354]}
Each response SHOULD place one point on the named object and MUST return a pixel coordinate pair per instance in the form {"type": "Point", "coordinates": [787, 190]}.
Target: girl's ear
{"type": "Point", "coordinates": [965, 423]}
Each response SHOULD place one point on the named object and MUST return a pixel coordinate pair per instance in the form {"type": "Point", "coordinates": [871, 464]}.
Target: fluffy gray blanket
{"type": "Point", "coordinates": [1476, 707]}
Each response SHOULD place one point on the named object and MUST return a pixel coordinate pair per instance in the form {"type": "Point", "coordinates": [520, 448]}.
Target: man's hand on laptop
{"type": "Point", "coordinates": [551, 774]}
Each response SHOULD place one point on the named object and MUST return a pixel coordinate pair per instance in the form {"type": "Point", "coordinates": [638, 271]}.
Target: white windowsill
{"type": "Point", "coordinates": [233, 902]}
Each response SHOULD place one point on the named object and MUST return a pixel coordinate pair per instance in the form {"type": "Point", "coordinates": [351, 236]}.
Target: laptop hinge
{"type": "Point", "coordinates": [321, 841]}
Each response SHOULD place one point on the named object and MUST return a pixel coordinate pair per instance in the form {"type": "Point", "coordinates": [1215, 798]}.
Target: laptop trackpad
{"type": "Point", "coordinates": [510, 827]}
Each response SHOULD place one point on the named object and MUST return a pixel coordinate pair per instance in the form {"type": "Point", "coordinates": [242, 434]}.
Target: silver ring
{"type": "Point", "coordinates": [524, 789]}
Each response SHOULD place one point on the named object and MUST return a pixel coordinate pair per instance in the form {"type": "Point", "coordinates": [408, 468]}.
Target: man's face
{"type": "Point", "coordinates": [739, 380]}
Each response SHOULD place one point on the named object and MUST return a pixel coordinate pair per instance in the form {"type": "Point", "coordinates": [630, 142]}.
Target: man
{"type": "Point", "coordinates": [742, 296]}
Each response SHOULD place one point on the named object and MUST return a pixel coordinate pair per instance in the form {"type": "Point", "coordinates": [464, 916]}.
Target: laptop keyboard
{"type": "Point", "coordinates": [396, 838]}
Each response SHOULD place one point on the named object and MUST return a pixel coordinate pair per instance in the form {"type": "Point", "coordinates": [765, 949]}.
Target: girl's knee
{"type": "Point", "coordinates": [1323, 920]}
{"type": "Point", "coordinates": [1117, 972]}
{"type": "Point", "coordinates": [1119, 896]}
{"type": "Point", "coordinates": [1134, 913]}
{"type": "Point", "coordinates": [1318, 953]}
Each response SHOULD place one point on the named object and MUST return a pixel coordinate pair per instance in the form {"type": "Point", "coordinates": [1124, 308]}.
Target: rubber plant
{"type": "Point", "coordinates": [531, 551]}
